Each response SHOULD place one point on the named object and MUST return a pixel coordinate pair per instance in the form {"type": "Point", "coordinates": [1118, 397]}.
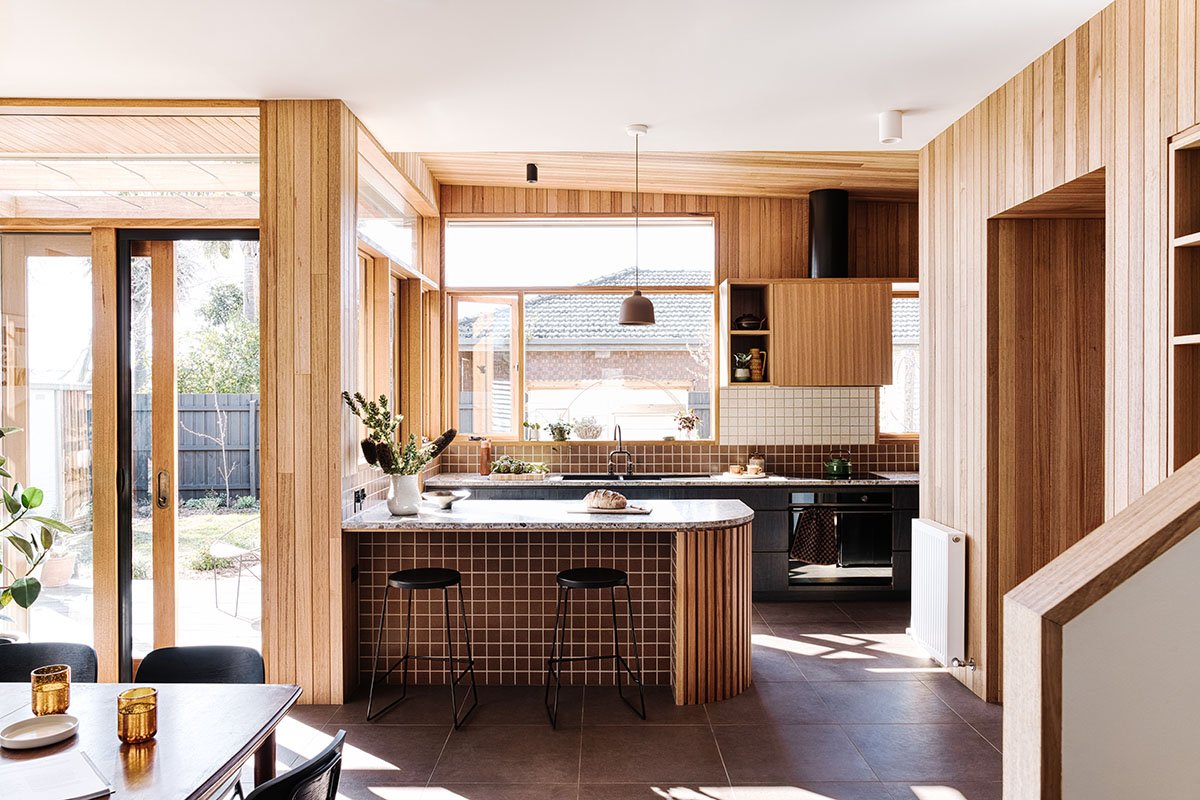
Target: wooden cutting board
{"type": "Point", "coordinates": [627, 510]}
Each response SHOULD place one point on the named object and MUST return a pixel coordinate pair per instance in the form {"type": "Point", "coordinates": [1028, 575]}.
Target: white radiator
{"type": "Point", "coordinates": [939, 590]}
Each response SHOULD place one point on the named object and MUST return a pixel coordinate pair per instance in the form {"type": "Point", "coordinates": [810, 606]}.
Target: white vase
{"type": "Point", "coordinates": [404, 499]}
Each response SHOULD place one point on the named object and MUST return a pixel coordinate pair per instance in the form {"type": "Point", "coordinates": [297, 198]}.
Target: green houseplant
{"type": "Point", "coordinates": [32, 535]}
{"type": "Point", "coordinates": [402, 463]}
{"type": "Point", "coordinates": [560, 430]}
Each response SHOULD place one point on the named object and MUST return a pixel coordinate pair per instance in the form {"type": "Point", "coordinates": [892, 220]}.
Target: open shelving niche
{"type": "Point", "coordinates": [1183, 282]}
{"type": "Point", "coordinates": [738, 298]}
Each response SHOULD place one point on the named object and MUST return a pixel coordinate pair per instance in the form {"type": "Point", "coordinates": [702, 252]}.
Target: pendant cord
{"type": "Point", "coordinates": [637, 190]}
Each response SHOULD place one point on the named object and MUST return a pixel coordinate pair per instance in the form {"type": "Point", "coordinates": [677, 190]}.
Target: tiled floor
{"type": "Point", "coordinates": [842, 708]}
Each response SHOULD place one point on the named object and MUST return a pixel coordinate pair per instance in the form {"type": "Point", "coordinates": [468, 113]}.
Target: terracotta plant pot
{"type": "Point", "coordinates": [57, 569]}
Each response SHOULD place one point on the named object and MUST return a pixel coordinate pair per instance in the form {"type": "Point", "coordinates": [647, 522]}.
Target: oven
{"type": "Point", "coordinates": [861, 522]}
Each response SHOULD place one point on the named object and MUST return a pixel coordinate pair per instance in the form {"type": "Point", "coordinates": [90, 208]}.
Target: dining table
{"type": "Point", "coordinates": [206, 734]}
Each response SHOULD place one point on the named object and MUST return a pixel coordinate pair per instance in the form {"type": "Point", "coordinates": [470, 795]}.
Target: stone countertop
{"type": "Point", "coordinates": [553, 515]}
{"type": "Point", "coordinates": [470, 479]}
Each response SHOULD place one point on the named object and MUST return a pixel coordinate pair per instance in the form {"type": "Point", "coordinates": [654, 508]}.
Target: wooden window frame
{"type": "Point", "coordinates": [895, 438]}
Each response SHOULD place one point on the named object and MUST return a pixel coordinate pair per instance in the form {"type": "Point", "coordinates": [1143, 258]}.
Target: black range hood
{"type": "Point", "coordinates": [828, 233]}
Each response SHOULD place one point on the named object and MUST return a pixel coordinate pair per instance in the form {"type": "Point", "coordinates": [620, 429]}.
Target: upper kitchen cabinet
{"type": "Point", "coordinates": [829, 332]}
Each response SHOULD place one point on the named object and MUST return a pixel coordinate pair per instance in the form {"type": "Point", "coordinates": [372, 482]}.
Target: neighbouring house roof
{"type": "Point", "coordinates": [906, 320]}
{"type": "Point", "coordinates": [556, 319]}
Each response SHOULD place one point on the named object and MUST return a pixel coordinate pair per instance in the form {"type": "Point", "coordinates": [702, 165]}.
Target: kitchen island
{"type": "Point", "coordinates": [688, 561]}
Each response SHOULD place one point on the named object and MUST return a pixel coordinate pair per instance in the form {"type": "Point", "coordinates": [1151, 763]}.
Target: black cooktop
{"type": "Point", "coordinates": [821, 476]}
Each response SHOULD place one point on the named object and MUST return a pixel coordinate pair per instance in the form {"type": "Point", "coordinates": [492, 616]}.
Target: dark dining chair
{"type": "Point", "coordinates": [17, 660]}
{"type": "Point", "coordinates": [315, 779]}
{"type": "Point", "coordinates": [202, 664]}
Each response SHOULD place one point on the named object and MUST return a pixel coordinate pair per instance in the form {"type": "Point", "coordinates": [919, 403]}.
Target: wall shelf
{"type": "Point", "coordinates": [1183, 290]}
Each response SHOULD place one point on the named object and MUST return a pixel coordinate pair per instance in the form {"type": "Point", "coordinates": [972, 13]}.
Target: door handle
{"type": "Point", "coordinates": [163, 490]}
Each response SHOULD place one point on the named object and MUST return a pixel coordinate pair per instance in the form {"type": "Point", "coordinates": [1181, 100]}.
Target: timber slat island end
{"type": "Point", "coordinates": [688, 561]}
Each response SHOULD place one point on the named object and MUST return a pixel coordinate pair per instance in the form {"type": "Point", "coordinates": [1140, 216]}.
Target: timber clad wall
{"type": "Point", "coordinates": [309, 297]}
{"type": "Point", "coordinates": [1110, 95]}
{"type": "Point", "coordinates": [757, 237]}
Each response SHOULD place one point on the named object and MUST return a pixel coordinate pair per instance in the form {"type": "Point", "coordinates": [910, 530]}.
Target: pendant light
{"type": "Point", "coordinates": [637, 308]}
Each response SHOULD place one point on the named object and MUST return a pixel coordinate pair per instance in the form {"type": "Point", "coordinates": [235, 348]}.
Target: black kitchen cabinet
{"type": "Point", "coordinates": [773, 518]}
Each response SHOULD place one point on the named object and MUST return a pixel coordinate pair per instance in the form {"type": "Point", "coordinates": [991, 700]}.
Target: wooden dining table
{"type": "Point", "coordinates": [206, 734]}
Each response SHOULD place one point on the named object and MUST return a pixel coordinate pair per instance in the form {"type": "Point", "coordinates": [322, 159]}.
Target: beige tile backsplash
{"type": "Point", "coordinates": [779, 415]}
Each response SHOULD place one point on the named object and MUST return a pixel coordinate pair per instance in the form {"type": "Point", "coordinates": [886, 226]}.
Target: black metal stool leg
{"type": "Point", "coordinates": [554, 663]}
{"type": "Point", "coordinates": [452, 672]}
{"type": "Point", "coordinates": [617, 660]}
{"type": "Point", "coordinates": [637, 653]}
{"type": "Point", "coordinates": [462, 613]}
{"type": "Point", "coordinates": [375, 660]}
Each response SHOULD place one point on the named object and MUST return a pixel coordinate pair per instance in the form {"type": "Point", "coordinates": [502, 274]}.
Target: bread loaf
{"type": "Point", "coordinates": [604, 498]}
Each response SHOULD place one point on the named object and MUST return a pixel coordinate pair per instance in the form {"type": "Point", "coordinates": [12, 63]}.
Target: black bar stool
{"type": "Point", "coordinates": [412, 580]}
{"type": "Point", "coordinates": [593, 578]}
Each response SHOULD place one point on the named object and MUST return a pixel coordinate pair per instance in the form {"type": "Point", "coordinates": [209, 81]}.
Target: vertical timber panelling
{"type": "Point", "coordinates": [712, 611]}
{"type": "Point", "coordinates": [308, 258]}
{"type": "Point", "coordinates": [105, 595]}
{"type": "Point", "coordinates": [1110, 95]}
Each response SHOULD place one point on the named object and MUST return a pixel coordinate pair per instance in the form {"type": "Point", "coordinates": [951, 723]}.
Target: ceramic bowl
{"type": "Point", "coordinates": [444, 498]}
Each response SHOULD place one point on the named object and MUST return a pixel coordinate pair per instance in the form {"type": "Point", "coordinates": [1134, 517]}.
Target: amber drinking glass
{"type": "Point", "coordinates": [137, 715]}
{"type": "Point", "coordinates": [51, 687]}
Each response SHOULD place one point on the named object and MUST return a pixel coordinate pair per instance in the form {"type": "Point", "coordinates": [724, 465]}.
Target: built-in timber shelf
{"type": "Point", "coordinates": [1183, 290]}
{"type": "Point", "coordinates": [1191, 240]}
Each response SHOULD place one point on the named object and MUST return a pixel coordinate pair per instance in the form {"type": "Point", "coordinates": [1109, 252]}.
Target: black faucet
{"type": "Point", "coordinates": [620, 451]}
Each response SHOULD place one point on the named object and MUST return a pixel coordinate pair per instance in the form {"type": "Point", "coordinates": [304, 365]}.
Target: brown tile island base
{"type": "Point", "coordinates": [689, 573]}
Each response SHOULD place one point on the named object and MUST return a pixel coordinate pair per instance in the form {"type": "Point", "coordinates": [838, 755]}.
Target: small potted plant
{"type": "Point", "coordinates": [588, 428]}
{"type": "Point", "coordinates": [560, 430]}
{"type": "Point", "coordinates": [741, 367]}
{"type": "Point", "coordinates": [533, 431]}
{"type": "Point", "coordinates": [686, 421]}
{"type": "Point", "coordinates": [18, 583]}
{"type": "Point", "coordinates": [401, 463]}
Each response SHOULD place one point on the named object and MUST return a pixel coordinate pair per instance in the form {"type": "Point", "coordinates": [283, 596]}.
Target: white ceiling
{"type": "Point", "coordinates": [552, 74]}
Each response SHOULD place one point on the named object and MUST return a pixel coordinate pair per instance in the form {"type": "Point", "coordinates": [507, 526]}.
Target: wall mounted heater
{"type": "Point", "coordinates": [939, 591]}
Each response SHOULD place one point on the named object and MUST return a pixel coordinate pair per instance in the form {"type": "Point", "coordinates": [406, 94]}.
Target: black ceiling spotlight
{"type": "Point", "coordinates": [531, 173]}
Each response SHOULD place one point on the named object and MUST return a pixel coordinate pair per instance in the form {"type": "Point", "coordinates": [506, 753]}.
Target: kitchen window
{"type": "Point", "coordinates": [900, 403]}
{"type": "Point", "coordinates": [554, 287]}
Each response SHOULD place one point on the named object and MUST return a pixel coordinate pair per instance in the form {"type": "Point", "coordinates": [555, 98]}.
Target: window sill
{"type": "Point", "coordinates": [885, 438]}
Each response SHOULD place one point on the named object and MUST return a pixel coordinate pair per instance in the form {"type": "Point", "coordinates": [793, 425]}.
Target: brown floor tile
{"type": "Point", "coordinates": [499, 791]}
{"type": "Point", "coordinates": [926, 753]}
{"type": "Point", "coordinates": [602, 706]}
{"type": "Point", "coordinates": [785, 754]}
{"type": "Point", "coordinates": [524, 705]}
{"type": "Point", "coordinates": [800, 612]}
{"type": "Point", "coordinates": [685, 754]}
{"type": "Point", "coordinates": [509, 754]}
{"type": "Point", "coordinates": [312, 715]}
{"type": "Point", "coordinates": [425, 705]}
{"type": "Point", "coordinates": [373, 784]}
{"type": "Point", "coordinates": [860, 657]}
{"type": "Point", "coordinates": [992, 731]}
{"type": "Point", "coordinates": [866, 610]}
{"type": "Point", "coordinates": [771, 704]}
{"type": "Point", "coordinates": [883, 701]}
{"type": "Point", "coordinates": [965, 703]}
{"type": "Point", "coordinates": [407, 753]}
{"type": "Point", "coordinates": [946, 790]}
{"type": "Point", "coordinates": [772, 665]}
{"type": "Point", "coordinates": [650, 791]}
{"type": "Point", "coordinates": [884, 625]}
{"type": "Point", "coordinates": [821, 790]}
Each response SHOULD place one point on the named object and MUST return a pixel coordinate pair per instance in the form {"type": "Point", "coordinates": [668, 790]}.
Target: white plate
{"type": "Point", "coordinates": [745, 476]}
{"type": "Point", "coordinates": [38, 731]}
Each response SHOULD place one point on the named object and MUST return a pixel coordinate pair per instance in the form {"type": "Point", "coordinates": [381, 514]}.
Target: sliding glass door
{"type": "Point", "coordinates": [188, 390]}
{"type": "Point", "coordinates": [46, 391]}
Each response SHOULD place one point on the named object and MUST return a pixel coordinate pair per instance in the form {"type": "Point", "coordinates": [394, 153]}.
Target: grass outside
{"type": "Point", "coordinates": [195, 532]}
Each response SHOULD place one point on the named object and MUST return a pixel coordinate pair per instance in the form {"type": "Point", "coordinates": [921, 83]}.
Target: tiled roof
{"type": "Point", "coordinates": [583, 318]}
{"type": "Point", "coordinates": [906, 320]}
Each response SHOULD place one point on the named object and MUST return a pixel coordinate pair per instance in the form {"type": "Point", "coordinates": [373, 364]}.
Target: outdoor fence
{"type": "Point", "coordinates": [201, 470]}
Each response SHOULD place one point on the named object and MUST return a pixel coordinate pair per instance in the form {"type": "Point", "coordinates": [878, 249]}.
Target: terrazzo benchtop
{"type": "Point", "coordinates": [554, 515]}
{"type": "Point", "coordinates": [453, 480]}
